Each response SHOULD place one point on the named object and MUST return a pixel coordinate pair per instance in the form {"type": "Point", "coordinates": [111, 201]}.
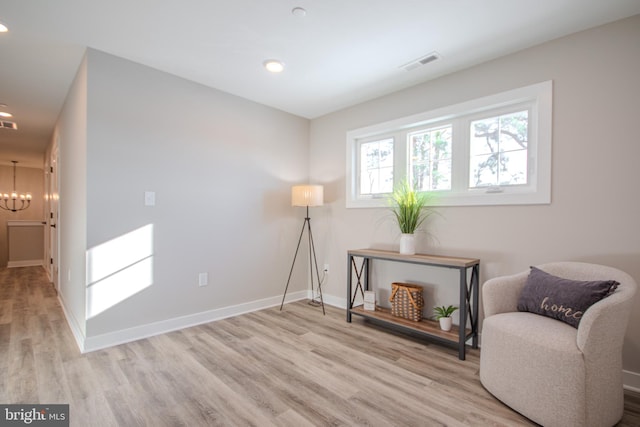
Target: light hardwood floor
{"type": "Point", "coordinates": [290, 368]}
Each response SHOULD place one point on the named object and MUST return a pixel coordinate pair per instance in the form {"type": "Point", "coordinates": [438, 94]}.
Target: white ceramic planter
{"type": "Point", "coordinates": [407, 244]}
{"type": "Point", "coordinates": [446, 323]}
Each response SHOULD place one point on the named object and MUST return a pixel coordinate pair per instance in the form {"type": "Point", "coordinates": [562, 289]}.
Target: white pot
{"type": "Point", "coordinates": [407, 244]}
{"type": "Point", "coordinates": [446, 323]}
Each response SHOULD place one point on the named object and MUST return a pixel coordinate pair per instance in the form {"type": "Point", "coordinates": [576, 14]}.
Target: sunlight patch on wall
{"type": "Point", "coordinates": [118, 269]}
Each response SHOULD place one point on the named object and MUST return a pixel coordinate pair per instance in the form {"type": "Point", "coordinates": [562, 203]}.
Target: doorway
{"type": "Point", "coordinates": [53, 214]}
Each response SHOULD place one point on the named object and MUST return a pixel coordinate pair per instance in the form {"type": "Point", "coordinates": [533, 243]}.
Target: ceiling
{"type": "Point", "coordinates": [342, 52]}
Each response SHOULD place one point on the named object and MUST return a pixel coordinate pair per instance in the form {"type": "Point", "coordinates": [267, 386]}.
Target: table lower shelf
{"type": "Point", "coordinates": [424, 327]}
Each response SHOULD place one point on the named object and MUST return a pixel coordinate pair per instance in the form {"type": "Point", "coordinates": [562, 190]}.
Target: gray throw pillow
{"type": "Point", "coordinates": [562, 299]}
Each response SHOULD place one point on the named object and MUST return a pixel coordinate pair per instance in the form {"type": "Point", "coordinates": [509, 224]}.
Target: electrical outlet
{"type": "Point", "coordinates": [326, 268]}
{"type": "Point", "coordinates": [203, 279]}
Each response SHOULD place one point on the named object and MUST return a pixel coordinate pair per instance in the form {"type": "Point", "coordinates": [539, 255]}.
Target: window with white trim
{"type": "Point", "coordinates": [494, 150]}
{"type": "Point", "coordinates": [430, 158]}
{"type": "Point", "coordinates": [376, 166]}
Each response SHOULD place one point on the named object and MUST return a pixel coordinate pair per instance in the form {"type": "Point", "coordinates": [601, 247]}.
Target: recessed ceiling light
{"type": "Point", "coordinates": [3, 28]}
{"type": "Point", "coordinates": [299, 12]}
{"type": "Point", "coordinates": [273, 65]}
{"type": "Point", "coordinates": [3, 111]}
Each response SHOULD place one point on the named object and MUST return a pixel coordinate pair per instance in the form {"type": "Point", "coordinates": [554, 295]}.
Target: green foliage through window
{"type": "Point", "coordinates": [430, 159]}
{"type": "Point", "coordinates": [498, 150]}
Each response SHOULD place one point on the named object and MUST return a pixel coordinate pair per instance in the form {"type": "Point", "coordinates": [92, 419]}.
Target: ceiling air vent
{"type": "Point", "coordinates": [433, 56]}
{"type": "Point", "coordinates": [8, 125]}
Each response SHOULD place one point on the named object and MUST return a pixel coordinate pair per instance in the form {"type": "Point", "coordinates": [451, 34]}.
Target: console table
{"type": "Point", "coordinates": [458, 335]}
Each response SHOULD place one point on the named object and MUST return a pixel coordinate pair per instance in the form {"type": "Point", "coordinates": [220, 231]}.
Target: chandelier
{"type": "Point", "coordinates": [8, 201]}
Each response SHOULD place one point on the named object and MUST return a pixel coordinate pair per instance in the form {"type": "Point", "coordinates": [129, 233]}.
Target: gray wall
{"type": "Point", "coordinates": [28, 180]}
{"type": "Point", "coordinates": [594, 212]}
{"type": "Point", "coordinates": [221, 168]}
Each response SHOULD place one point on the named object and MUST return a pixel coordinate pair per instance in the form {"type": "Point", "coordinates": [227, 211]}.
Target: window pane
{"type": "Point", "coordinates": [386, 180]}
{"type": "Point", "coordinates": [370, 158]}
{"type": "Point", "coordinates": [430, 160]}
{"type": "Point", "coordinates": [513, 169]}
{"type": "Point", "coordinates": [376, 167]}
{"type": "Point", "coordinates": [484, 136]}
{"type": "Point", "coordinates": [498, 150]}
{"type": "Point", "coordinates": [484, 171]}
{"type": "Point", "coordinates": [441, 175]}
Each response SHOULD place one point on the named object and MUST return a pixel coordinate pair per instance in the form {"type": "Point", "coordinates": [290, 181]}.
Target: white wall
{"type": "Point", "coordinates": [71, 130]}
{"type": "Point", "coordinates": [221, 168]}
{"type": "Point", "coordinates": [594, 212]}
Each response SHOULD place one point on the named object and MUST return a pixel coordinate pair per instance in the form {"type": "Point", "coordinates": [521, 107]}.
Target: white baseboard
{"type": "Point", "coordinates": [334, 301]}
{"type": "Point", "coordinates": [25, 263]}
{"type": "Point", "coordinates": [111, 339]}
{"type": "Point", "coordinates": [76, 331]}
{"type": "Point", "coordinates": [631, 380]}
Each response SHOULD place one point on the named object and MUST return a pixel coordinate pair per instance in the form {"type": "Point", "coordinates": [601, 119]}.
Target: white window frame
{"type": "Point", "coordinates": [358, 148]}
{"type": "Point", "coordinates": [537, 98]}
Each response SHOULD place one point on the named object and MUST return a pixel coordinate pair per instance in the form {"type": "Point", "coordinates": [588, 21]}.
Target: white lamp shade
{"type": "Point", "coordinates": [307, 195]}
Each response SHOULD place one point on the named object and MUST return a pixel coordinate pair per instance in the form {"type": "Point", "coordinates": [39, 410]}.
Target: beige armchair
{"type": "Point", "coordinates": [551, 372]}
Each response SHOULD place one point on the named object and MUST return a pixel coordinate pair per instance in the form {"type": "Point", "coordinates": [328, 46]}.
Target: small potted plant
{"type": "Point", "coordinates": [443, 315]}
{"type": "Point", "coordinates": [410, 209]}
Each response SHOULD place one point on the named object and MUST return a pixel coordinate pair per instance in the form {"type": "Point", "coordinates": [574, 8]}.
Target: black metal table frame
{"type": "Point", "coordinates": [468, 295]}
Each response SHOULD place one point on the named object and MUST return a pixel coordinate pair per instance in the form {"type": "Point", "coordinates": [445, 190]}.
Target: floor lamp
{"type": "Point", "coordinates": [306, 196]}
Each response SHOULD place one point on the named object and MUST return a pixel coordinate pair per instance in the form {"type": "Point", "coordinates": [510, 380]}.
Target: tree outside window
{"type": "Point", "coordinates": [498, 150]}
{"type": "Point", "coordinates": [430, 159]}
{"type": "Point", "coordinates": [376, 168]}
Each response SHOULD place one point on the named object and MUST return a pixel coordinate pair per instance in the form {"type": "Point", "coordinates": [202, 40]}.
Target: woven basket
{"type": "Point", "coordinates": [406, 301]}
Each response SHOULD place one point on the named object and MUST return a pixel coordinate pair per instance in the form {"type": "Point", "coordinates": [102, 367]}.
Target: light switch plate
{"type": "Point", "coordinates": [203, 279]}
{"type": "Point", "coordinates": [149, 198]}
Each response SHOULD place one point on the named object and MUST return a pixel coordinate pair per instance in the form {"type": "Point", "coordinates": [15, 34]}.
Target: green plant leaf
{"type": "Point", "coordinates": [410, 207]}
{"type": "Point", "coordinates": [444, 311]}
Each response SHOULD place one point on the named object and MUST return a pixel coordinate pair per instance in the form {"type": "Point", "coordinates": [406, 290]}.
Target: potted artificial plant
{"type": "Point", "coordinates": [443, 315]}
{"type": "Point", "coordinates": [410, 209]}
